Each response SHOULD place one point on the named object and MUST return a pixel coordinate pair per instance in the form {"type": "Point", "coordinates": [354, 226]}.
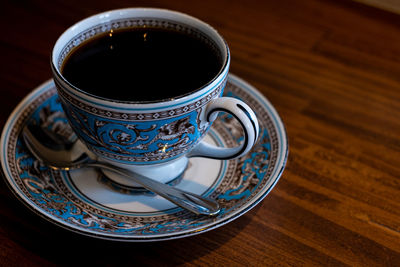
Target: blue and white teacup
{"type": "Point", "coordinates": [154, 139]}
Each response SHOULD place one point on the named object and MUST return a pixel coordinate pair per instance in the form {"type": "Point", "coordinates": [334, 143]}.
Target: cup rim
{"type": "Point", "coordinates": [223, 69]}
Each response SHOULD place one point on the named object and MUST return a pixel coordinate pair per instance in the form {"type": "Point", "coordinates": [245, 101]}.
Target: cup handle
{"type": "Point", "coordinates": [246, 117]}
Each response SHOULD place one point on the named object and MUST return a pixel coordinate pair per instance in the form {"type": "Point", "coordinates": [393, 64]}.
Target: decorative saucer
{"type": "Point", "coordinates": [86, 202]}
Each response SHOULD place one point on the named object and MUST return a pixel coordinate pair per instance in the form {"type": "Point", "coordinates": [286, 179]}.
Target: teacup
{"type": "Point", "coordinates": [154, 138]}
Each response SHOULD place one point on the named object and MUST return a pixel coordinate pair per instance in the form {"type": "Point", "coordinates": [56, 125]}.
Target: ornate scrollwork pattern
{"type": "Point", "coordinates": [136, 141]}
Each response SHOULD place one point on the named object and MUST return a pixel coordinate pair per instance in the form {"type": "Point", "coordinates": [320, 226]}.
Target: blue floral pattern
{"type": "Point", "coordinates": [246, 181]}
{"type": "Point", "coordinates": [139, 137]}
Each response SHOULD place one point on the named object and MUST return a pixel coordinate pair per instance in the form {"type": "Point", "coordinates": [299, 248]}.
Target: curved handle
{"type": "Point", "coordinates": [187, 200]}
{"type": "Point", "coordinates": [246, 117]}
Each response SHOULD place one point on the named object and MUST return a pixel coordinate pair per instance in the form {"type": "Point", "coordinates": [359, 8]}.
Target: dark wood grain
{"type": "Point", "coordinates": [331, 69]}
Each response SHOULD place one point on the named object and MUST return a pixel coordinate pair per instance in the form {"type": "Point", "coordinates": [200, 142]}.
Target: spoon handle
{"type": "Point", "coordinates": [187, 200]}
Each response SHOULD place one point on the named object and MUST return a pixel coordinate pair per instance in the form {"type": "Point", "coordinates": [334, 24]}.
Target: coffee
{"type": "Point", "coordinates": [142, 64]}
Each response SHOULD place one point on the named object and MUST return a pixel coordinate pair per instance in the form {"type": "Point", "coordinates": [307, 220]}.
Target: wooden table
{"type": "Point", "coordinates": [331, 69]}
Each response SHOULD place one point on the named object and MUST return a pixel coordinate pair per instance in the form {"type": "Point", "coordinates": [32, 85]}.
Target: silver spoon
{"type": "Point", "coordinates": [61, 154]}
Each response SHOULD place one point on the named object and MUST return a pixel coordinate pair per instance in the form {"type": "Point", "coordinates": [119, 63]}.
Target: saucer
{"type": "Point", "coordinates": [86, 202]}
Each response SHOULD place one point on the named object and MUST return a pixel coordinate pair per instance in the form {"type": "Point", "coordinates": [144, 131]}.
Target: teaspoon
{"type": "Point", "coordinates": [62, 154]}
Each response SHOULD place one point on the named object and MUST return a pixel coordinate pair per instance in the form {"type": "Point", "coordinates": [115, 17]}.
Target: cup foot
{"type": "Point", "coordinates": [170, 173]}
{"type": "Point", "coordinates": [133, 190]}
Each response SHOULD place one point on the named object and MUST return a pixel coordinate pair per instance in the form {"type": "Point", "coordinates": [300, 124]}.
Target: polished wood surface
{"type": "Point", "coordinates": [331, 69]}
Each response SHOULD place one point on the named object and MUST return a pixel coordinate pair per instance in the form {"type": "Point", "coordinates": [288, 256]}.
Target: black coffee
{"type": "Point", "coordinates": [141, 64]}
